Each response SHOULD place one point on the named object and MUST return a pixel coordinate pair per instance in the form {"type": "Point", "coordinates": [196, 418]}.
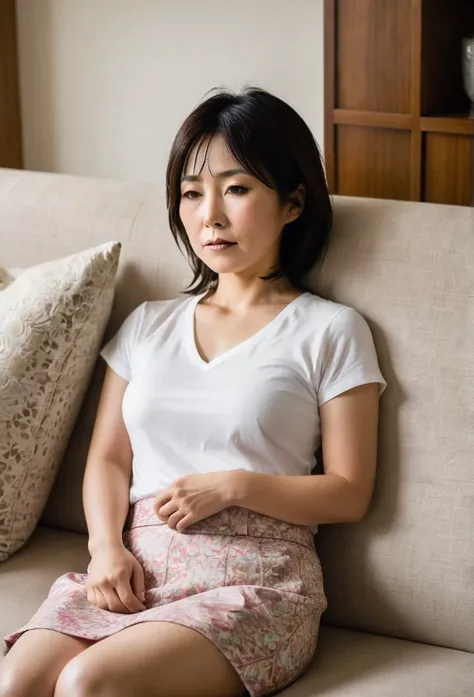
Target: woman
{"type": "Point", "coordinates": [215, 589]}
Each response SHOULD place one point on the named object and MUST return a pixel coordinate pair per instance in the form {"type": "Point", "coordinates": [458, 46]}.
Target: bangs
{"type": "Point", "coordinates": [238, 147]}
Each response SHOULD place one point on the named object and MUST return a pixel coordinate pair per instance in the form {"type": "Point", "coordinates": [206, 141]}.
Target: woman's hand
{"type": "Point", "coordinates": [115, 580]}
{"type": "Point", "coordinates": [194, 497]}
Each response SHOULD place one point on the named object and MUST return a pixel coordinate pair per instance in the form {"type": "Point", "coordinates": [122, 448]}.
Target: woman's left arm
{"type": "Point", "coordinates": [349, 425]}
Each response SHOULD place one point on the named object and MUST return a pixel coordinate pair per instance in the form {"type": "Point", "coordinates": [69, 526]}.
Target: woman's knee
{"type": "Point", "coordinates": [15, 683]}
{"type": "Point", "coordinates": [81, 679]}
{"type": "Point", "coordinates": [32, 666]}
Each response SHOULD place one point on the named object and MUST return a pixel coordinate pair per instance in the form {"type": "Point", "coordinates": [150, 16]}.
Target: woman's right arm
{"type": "Point", "coordinates": [115, 577]}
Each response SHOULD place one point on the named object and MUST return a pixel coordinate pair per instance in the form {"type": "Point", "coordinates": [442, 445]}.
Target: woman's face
{"type": "Point", "coordinates": [221, 201]}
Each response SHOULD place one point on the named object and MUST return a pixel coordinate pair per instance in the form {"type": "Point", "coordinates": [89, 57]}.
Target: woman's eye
{"type": "Point", "coordinates": [191, 194]}
{"type": "Point", "coordinates": [237, 190]}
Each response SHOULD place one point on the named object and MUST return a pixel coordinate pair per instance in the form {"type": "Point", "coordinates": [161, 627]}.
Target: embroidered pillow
{"type": "Point", "coordinates": [52, 319]}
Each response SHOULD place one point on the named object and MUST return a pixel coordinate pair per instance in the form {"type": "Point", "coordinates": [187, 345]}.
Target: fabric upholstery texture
{"type": "Point", "coordinates": [52, 319]}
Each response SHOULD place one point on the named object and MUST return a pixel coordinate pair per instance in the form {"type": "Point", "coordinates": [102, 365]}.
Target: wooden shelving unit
{"type": "Point", "coordinates": [449, 123]}
{"type": "Point", "coordinates": [10, 125]}
{"type": "Point", "coordinates": [397, 120]}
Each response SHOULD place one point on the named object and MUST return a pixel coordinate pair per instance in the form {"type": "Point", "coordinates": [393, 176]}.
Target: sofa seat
{"type": "Point", "coordinates": [27, 576]}
{"type": "Point", "coordinates": [347, 663]}
{"type": "Point", "coordinates": [357, 664]}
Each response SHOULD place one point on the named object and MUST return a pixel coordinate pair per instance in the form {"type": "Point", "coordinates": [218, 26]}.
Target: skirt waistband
{"type": "Point", "coordinates": [232, 521]}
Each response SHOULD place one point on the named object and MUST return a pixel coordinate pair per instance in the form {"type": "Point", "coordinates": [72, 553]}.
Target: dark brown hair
{"type": "Point", "coordinates": [273, 143]}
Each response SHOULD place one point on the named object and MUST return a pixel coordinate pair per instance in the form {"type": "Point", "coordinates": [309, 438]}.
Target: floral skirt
{"type": "Point", "coordinates": [250, 584]}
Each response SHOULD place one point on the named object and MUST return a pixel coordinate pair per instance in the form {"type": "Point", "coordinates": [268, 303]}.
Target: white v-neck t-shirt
{"type": "Point", "coordinates": [255, 407]}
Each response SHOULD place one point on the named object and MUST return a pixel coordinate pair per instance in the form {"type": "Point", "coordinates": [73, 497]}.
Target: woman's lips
{"type": "Point", "coordinates": [222, 246]}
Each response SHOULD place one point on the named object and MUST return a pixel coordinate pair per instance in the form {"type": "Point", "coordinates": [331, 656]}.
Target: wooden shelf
{"type": "Point", "coordinates": [449, 123]}
{"type": "Point", "coordinates": [458, 124]}
{"type": "Point", "coordinates": [374, 119]}
{"type": "Point", "coordinates": [397, 121]}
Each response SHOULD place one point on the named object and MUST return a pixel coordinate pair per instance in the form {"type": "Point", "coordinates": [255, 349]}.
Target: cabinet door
{"type": "Point", "coordinates": [373, 162]}
{"type": "Point", "coordinates": [373, 54]}
{"type": "Point", "coordinates": [448, 168]}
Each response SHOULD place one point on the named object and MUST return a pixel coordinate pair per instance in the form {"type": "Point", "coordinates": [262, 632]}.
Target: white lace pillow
{"type": "Point", "coordinates": [52, 319]}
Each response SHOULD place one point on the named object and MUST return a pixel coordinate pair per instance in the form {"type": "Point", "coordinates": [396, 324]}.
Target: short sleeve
{"type": "Point", "coordinates": [120, 351]}
{"type": "Point", "coordinates": [348, 356]}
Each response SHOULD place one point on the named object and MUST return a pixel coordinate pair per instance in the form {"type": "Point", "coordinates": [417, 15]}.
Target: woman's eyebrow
{"type": "Point", "coordinates": [221, 175]}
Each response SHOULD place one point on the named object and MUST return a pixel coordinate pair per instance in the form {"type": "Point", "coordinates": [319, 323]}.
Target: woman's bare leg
{"type": "Point", "coordinates": [34, 662]}
{"type": "Point", "coordinates": [156, 659]}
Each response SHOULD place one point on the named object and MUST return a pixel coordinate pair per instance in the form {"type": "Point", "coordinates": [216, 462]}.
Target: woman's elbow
{"type": "Point", "coordinates": [359, 511]}
{"type": "Point", "coordinates": [360, 506]}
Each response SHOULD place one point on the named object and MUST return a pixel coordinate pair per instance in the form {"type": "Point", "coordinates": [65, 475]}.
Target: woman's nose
{"type": "Point", "coordinates": [214, 215]}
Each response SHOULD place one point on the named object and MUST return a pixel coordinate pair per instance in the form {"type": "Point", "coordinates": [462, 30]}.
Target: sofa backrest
{"type": "Point", "coordinates": [407, 570]}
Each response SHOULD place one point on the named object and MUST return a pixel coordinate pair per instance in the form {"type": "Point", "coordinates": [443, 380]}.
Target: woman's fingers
{"type": "Point", "coordinates": [162, 498]}
{"type": "Point", "coordinates": [121, 599]}
{"type": "Point", "coordinates": [185, 522]}
{"type": "Point", "coordinates": [91, 597]}
{"type": "Point", "coordinates": [166, 510]}
{"type": "Point", "coordinates": [128, 598]}
{"type": "Point", "coordinates": [113, 600]}
{"type": "Point", "coordinates": [97, 598]}
{"type": "Point", "coordinates": [138, 581]}
{"type": "Point", "coordinates": [107, 599]}
{"type": "Point", "coordinates": [174, 519]}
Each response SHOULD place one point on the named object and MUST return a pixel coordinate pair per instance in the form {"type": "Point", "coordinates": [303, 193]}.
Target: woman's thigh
{"type": "Point", "coordinates": [157, 659]}
{"type": "Point", "coordinates": [35, 661]}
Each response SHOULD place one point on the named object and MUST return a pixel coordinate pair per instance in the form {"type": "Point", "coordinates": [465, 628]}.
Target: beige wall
{"type": "Point", "coordinates": [106, 83]}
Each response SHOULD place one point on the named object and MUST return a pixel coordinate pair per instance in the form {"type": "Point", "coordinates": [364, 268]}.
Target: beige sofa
{"type": "Point", "coordinates": [400, 584]}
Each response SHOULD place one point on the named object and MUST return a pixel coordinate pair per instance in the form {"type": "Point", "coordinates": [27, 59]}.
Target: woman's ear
{"type": "Point", "coordinates": [296, 203]}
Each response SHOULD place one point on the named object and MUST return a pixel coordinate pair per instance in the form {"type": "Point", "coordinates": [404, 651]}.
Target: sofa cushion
{"type": "Point", "coordinates": [25, 578]}
{"type": "Point", "coordinates": [52, 319]}
{"type": "Point", "coordinates": [354, 664]}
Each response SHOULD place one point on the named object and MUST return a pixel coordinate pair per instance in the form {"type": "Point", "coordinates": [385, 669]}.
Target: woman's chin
{"type": "Point", "coordinates": [223, 266]}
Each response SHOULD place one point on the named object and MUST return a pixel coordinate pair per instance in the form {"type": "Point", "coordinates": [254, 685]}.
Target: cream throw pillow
{"type": "Point", "coordinates": [52, 319]}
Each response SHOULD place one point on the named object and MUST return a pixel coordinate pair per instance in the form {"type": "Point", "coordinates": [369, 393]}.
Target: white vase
{"type": "Point", "coordinates": [468, 67]}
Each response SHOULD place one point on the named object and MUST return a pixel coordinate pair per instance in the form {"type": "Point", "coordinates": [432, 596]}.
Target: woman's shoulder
{"type": "Point", "coordinates": [329, 314]}
{"type": "Point", "coordinates": [163, 308]}
{"type": "Point", "coordinates": [344, 348]}
{"type": "Point", "coordinates": [150, 315]}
